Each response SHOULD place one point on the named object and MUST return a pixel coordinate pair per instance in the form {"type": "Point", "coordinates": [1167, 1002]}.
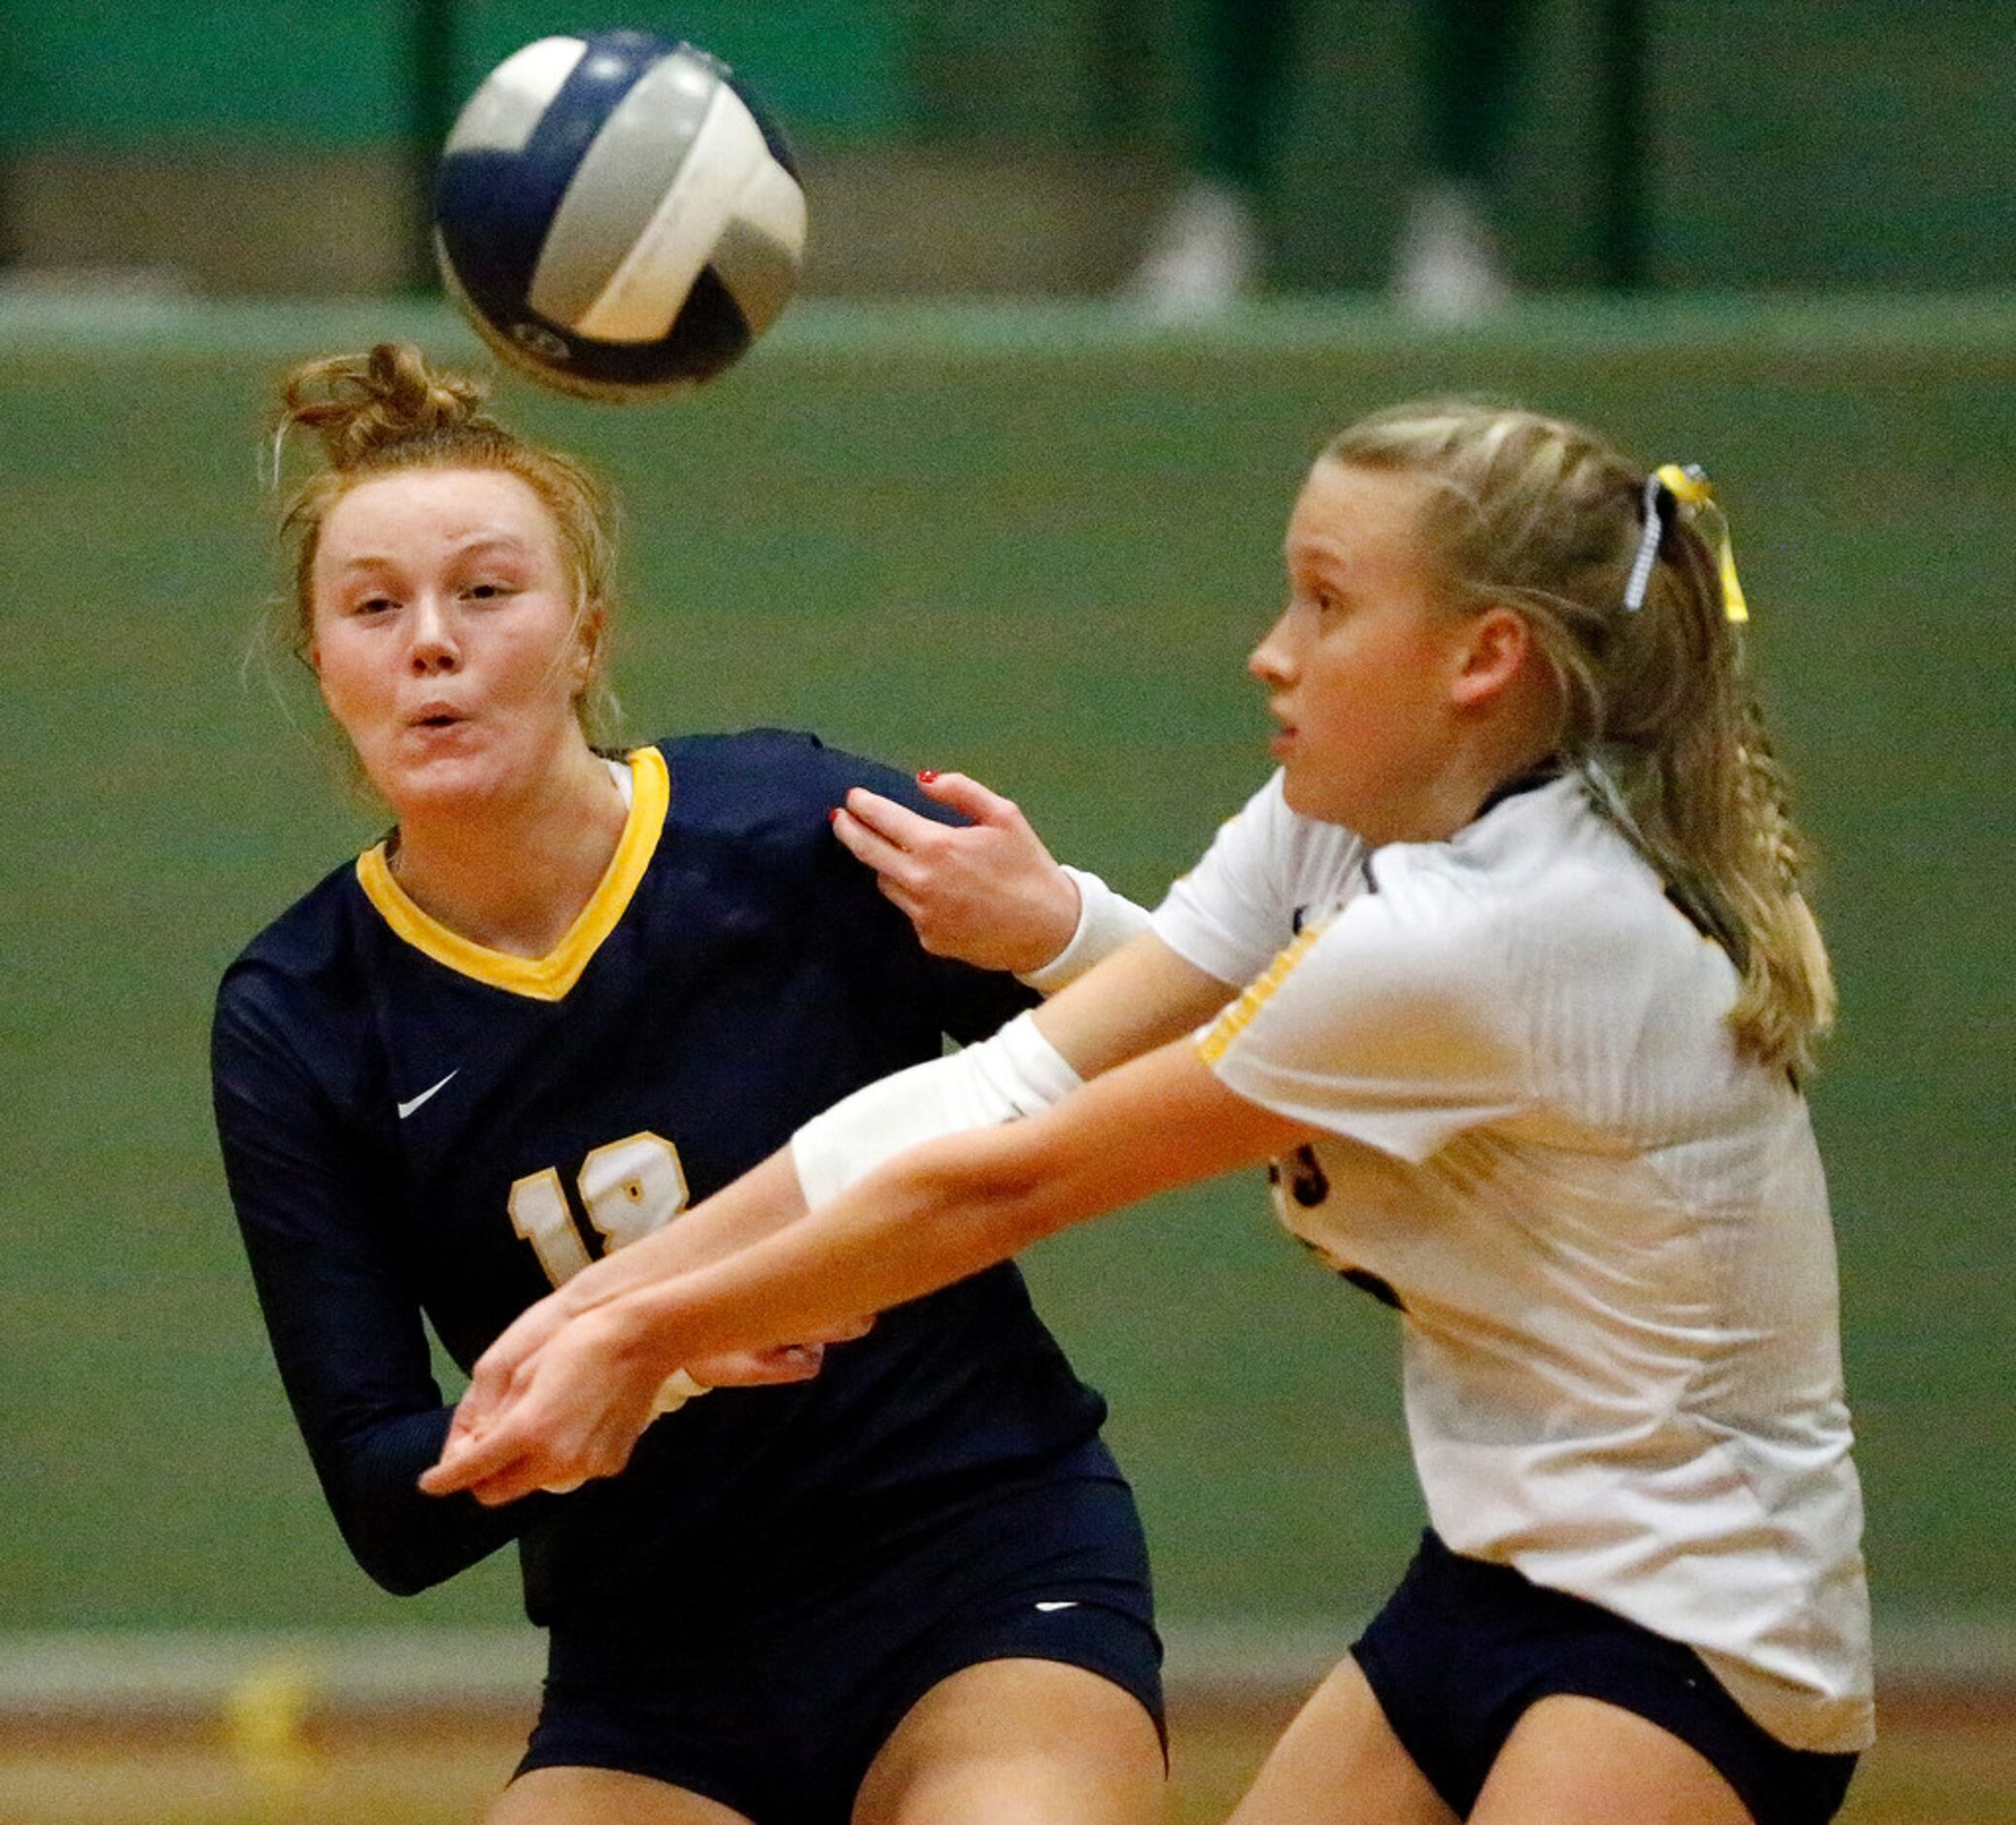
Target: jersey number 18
{"type": "Point", "coordinates": [629, 1188]}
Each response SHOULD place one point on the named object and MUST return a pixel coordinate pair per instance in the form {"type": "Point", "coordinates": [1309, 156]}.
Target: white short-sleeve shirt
{"type": "Point", "coordinates": [1266, 875]}
{"type": "Point", "coordinates": [1608, 1233]}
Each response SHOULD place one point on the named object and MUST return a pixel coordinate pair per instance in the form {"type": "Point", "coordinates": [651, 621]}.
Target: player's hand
{"type": "Point", "coordinates": [572, 1407]}
{"type": "Point", "coordinates": [986, 892]}
{"type": "Point", "coordinates": [570, 1410]}
{"type": "Point", "coordinates": [498, 1369]}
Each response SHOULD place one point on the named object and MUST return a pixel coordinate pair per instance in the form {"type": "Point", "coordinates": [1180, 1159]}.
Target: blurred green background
{"type": "Point", "coordinates": [961, 145]}
{"type": "Point", "coordinates": [1033, 543]}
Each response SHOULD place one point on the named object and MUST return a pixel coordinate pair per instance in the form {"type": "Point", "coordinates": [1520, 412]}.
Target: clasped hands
{"type": "Point", "coordinates": [563, 1395]}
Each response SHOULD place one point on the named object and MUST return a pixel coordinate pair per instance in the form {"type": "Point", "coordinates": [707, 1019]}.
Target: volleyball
{"type": "Point", "coordinates": [616, 214]}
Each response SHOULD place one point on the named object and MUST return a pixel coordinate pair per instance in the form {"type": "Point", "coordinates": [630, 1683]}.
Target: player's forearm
{"type": "Point", "coordinates": [408, 1542]}
{"type": "Point", "coordinates": [1141, 996]}
{"type": "Point", "coordinates": [943, 1211]}
{"type": "Point", "coordinates": [950, 1208]}
{"type": "Point", "coordinates": [762, 1200]}
{"type": "Point", "coordinates": [1136, 1001]}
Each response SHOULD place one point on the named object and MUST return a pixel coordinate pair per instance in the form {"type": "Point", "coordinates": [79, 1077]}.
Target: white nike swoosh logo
{"type": "Point", "coordinates": [1047, 1607]}
{"type": "Point", "coordinates": [406, 1109]}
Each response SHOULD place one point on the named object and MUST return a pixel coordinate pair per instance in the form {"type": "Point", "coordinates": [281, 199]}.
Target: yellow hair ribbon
{"type": "Point", "coordinates": [1688, 484]}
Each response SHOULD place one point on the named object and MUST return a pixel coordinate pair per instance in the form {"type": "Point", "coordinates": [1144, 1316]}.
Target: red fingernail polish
{"type": "Point", "coordinates": [925, 777]}
{"type": "Point", "coordinates": [834, 816]}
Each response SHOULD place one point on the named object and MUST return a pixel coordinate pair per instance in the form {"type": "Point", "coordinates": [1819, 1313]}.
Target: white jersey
{"type": "Point", "coordinates": [1267, 874]}
{"type": "Point", "coordinates": [1608, 1233]}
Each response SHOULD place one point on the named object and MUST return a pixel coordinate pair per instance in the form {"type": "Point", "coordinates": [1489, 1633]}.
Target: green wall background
{"type": "Point", "coordinates": [1035, 544]}
{"type": "Point", "coordinates": [335, 75]}
{"type": "Point", "coordinates": [1859, 143]}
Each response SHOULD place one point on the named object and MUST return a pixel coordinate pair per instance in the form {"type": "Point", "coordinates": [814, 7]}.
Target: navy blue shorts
{"type": "Point", "coordinates": [1462, 1648]}
{"type": "Point", "coordinates": [777, 1714]}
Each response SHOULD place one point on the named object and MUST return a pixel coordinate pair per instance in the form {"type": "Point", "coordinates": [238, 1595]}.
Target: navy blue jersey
{"type": "Point", "coordinates": [415, 1126]}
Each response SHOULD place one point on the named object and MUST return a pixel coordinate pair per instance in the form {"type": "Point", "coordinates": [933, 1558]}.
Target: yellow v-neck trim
{"type": "Point", "coordinates": [547, 978]}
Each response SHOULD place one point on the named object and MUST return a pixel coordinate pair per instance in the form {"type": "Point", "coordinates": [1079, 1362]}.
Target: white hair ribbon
{"type": "Point", "coordinates": [1688, 485]}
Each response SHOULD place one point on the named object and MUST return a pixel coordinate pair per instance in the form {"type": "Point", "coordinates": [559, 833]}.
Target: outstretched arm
{"type": "Point", "coordinates": [1142, 997]}
{"type": "Point", "coordinates": [936, 1215]}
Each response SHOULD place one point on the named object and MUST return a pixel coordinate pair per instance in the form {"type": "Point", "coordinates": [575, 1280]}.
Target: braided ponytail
{"type": "Point", "coordinates": [1658, 707]}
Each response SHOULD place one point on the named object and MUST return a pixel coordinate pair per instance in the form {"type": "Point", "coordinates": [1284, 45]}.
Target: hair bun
{"type": "Point", "coordinates": [361, 405]}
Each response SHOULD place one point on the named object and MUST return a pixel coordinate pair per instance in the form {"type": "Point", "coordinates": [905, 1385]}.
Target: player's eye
{"type": "Point", "coordinates": [373, 605]}
{"type": "Point", "coordinates": [490, 591]}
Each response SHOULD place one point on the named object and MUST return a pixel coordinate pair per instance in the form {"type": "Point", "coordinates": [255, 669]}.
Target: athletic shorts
{"type": "Point", "coordinates": [778, 1713]}
{"type": "Point", "coordinates": [1462, 1648]}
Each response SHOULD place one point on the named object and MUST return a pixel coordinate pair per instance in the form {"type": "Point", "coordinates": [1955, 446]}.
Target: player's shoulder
{"type": "Point", "coordinates": [1543, 889]}
{"type": "Point", "coordinates": [1464, 906]}
{"type": "Point", "coordinates": [308, 941]}
{"type": "Point", "coordinates": [1543, 855]}
{"type": "Point", "coordinates": [758, 780]}
{"type": "Point", "coordinates": [301, 979]}
{"type": "Point", "coordinates": [1268, 844]}
{"type": "Point", "coordinates": [1440, 943]}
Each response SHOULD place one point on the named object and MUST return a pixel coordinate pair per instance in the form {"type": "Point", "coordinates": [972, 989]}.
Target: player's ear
{"type": "Point", "coordinates": [590, 638]}
{"type": "Point", "coordinates": [1497, 644]}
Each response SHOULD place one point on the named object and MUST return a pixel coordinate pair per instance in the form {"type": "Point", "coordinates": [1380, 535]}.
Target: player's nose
{"type": "Point", "coordinates": [433, 646]}
{"type": "Point", "coordinates": [1273, 660]}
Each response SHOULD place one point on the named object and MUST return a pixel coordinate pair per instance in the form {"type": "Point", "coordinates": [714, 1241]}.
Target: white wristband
{"type": "Point", "coordinates": [1105, 922]}
{"type": "Point", "coordinates": [1015, 1073]}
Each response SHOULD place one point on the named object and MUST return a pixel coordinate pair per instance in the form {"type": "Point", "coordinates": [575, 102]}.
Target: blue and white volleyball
{"type": "Point", "coordinates": [617, 215]}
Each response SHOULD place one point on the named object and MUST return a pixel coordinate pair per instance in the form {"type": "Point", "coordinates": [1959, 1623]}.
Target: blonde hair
{"type": "Point", "coordinates": [392, 409]}
{"type": "Point", "coordinates": [1657, 705]}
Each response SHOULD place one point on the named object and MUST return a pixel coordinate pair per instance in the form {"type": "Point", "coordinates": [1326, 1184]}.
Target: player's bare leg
{"type": "Point", "coordinates": [1339, 1763]}
{"type": "Point", "coordinates": [595, 1796]}
{"type": "Point", "coordinates": [1018, 1742]}
{"type": "Point", "coordinates": [1575, 1760]}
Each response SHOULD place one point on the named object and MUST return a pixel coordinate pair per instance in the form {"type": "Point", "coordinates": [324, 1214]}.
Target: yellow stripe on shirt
{"type": "Point", "coordinates": [1257, 993]}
